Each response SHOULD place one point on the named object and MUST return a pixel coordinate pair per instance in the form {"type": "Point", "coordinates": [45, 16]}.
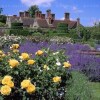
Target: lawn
{"type": "Point", "coordinates": [95, 87]}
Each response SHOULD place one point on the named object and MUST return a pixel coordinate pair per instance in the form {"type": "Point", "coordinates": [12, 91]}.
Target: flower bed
{"type": "Point", "coordinates": [43, 77]}
{"type": "Point", "coordinates": [88, 64]}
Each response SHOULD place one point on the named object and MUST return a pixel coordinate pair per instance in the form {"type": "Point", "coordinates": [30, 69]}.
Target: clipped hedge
{"type": "Point", "coordinates": [22, 32]}
{"type": "Point", "coordinates": [62, 27]}
{"type": "Point", "coordinates": [17, 25]}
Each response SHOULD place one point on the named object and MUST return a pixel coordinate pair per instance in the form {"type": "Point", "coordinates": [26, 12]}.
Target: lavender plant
{"type": "Point", "coordinates": [88, 64]}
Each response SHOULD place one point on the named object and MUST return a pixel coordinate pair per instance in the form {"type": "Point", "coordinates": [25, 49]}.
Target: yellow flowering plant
{"type": "Point", "coordinates": [40, 77]}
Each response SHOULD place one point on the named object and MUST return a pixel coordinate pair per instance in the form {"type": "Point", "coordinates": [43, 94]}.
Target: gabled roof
{"type": "Point", "coordinates": [42, 23]}
{"type": "Point", "coordinates": [13, 19]}
{"type": "Point", "coordinates": [72, 24]}
{"type": "Point", "coordinates": [27, 21]}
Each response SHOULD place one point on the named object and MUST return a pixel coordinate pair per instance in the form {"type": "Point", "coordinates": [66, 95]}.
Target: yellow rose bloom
{"type": "Point", "coordinates": [56, 79]}
{"type": "Point", "coordinates": [10, 84]}
{"type": "Point", "coordinates": [3, 55]}
{"type": "Point", "coordinates": [30, 62]}
{"type": "Point", "coordinates": [25, 83]}
{"type": "Point", "coordinates": [5, 90]}
{"type": "Point", "coordinates": [39, 52]}
{"type": "Point", "coordinates": [6, 79]}
{"type": "Point", "coordinates": [31, 89]}
{"type": "Point", "coordinates": [14, 46]}
{"type": "Point", "coordinates": [1, 52]}
{"type": "Point", "coordinates": [67, 64]}
{"type": "Point", "coordinates": [13, 63]}
{"type": "Point", "coordinates": [15, 50]}
{"type": "Point", "coordinates": [25, 56]}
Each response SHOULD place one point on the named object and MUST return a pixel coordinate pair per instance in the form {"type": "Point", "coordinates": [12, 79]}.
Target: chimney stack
{"type": "Point", "coordinates": [26, 14]}
{"type": "Point", "coordinates": [67, 16]}
{"type": "Point", "coordinates": [78, 21]}
{"type": "Point", "coordinates": [43, 16]}
{"type": "Point", "coordinates": [36, 14]}
{"type": "Point", "coordinates": [53, 16]}
{"type": "Point", "coordinates": [48, 13]}
{"type": "Point", "coordinates": [40, 14]}
{"type": "Point", "coordinates": [21, 14]}
{"type": "Point", "coordinates": [14, 16]}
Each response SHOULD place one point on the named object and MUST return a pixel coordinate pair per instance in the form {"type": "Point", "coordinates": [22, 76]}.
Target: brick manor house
{"type": "Point", "coordinates": [41, 20]}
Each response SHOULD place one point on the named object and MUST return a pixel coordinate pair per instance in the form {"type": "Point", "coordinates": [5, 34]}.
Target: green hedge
{"type": "Point", "coordinates": [17, 25]}
{"type": "Point", "coordinates": [62, 27]}
{"type": "Point", "coordinates": [2, 24]}
{"type": "Point", "coordinates": [23, 32]}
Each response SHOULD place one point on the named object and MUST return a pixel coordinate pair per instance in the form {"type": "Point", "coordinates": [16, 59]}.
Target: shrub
{"type": "Point", "coordinates": [62, 27]}
{"type": "Point", "coordinates": [42, 78]}
{"type": "Point", "coordinates": [3, 18]}
{"type": "Point", "coordinates": [23, 32]}
{"type": "Point", "coordinates": [16, 25]}
{"type": "Point", "coordinates": [2, 24]}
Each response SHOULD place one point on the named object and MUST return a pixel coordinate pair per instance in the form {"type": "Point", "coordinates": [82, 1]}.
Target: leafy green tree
{"type": "Point", "coordinates": [3, 18]}
{"type": "Point", "coordinates": [32, 10]}
{"type": "Point", "coordinates": [1, 10]}
{"type": "Point", "coordinates": [85, 33]}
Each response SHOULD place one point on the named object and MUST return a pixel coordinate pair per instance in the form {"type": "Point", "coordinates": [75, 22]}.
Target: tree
{"type": "Point", "coordinates": [1, 10]}
{"type": "Point", "coordinates": [32, 10]}
{"type": "Point", "coordinates": [3, 18]}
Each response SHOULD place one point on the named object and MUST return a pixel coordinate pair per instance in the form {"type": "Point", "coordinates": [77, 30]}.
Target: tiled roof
{"type": "Point", "coordinates": [27, 21]}
{"type": "Point", "coordinates": [13, 19]}
{"type": "Point", "coordinates": [42, 23]}
{"type": "Point", "coordinates": [71, 24]}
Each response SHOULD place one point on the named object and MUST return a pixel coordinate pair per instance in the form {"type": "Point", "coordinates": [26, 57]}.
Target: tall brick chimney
{"type": "Point", "coordinates": [48, 13]}
{"type": "Point", "coordinates": [40, 14]}
{"type": "Point", "coordinates": [36, 13]}
{"type": "Point", "coordinates": [67, 16]}
{"type": "Point", "coordinates": [78, 21]}
{"type": "Point", "coordinates": [14, 16]}
{"type": "Point", "coordinates": [43, 16]}
{"type": "Point", "coordinates": [26, 14]}
{"type": "Point", "coordinates": [53, 16]}
{"type": "Point", "coordinates": [21, 14]}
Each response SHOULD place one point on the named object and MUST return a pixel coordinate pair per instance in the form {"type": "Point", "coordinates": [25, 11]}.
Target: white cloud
{"type": "Point", "coordinates": [76, 10]}
{"type": "Point", "coordinates": [37, 2]}
{"type": "Point", "coordinates": [64, 18]}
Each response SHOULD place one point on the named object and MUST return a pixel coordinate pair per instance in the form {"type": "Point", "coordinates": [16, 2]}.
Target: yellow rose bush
{"type": "Point", "coordinates": [41, 77]}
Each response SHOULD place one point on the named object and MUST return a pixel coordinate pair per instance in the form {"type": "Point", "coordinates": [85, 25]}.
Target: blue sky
{"type": "Point", "coordinates": [87, 10]}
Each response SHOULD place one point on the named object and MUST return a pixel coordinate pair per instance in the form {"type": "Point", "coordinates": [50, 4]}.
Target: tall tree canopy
{"type": "Point", "coordinates": [32, 10]}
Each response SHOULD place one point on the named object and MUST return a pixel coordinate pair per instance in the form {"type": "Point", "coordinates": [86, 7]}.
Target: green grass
{"type": "Point", "coordinates": [79, 89]}
{"type": "Point", "coordinates": [82, 89]}
{"type": "Point", "coordinates": [95, 88]}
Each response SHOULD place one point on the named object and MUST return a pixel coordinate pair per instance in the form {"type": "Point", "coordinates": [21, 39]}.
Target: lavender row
{"type": "Point", "coordinates": [88, 64]}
